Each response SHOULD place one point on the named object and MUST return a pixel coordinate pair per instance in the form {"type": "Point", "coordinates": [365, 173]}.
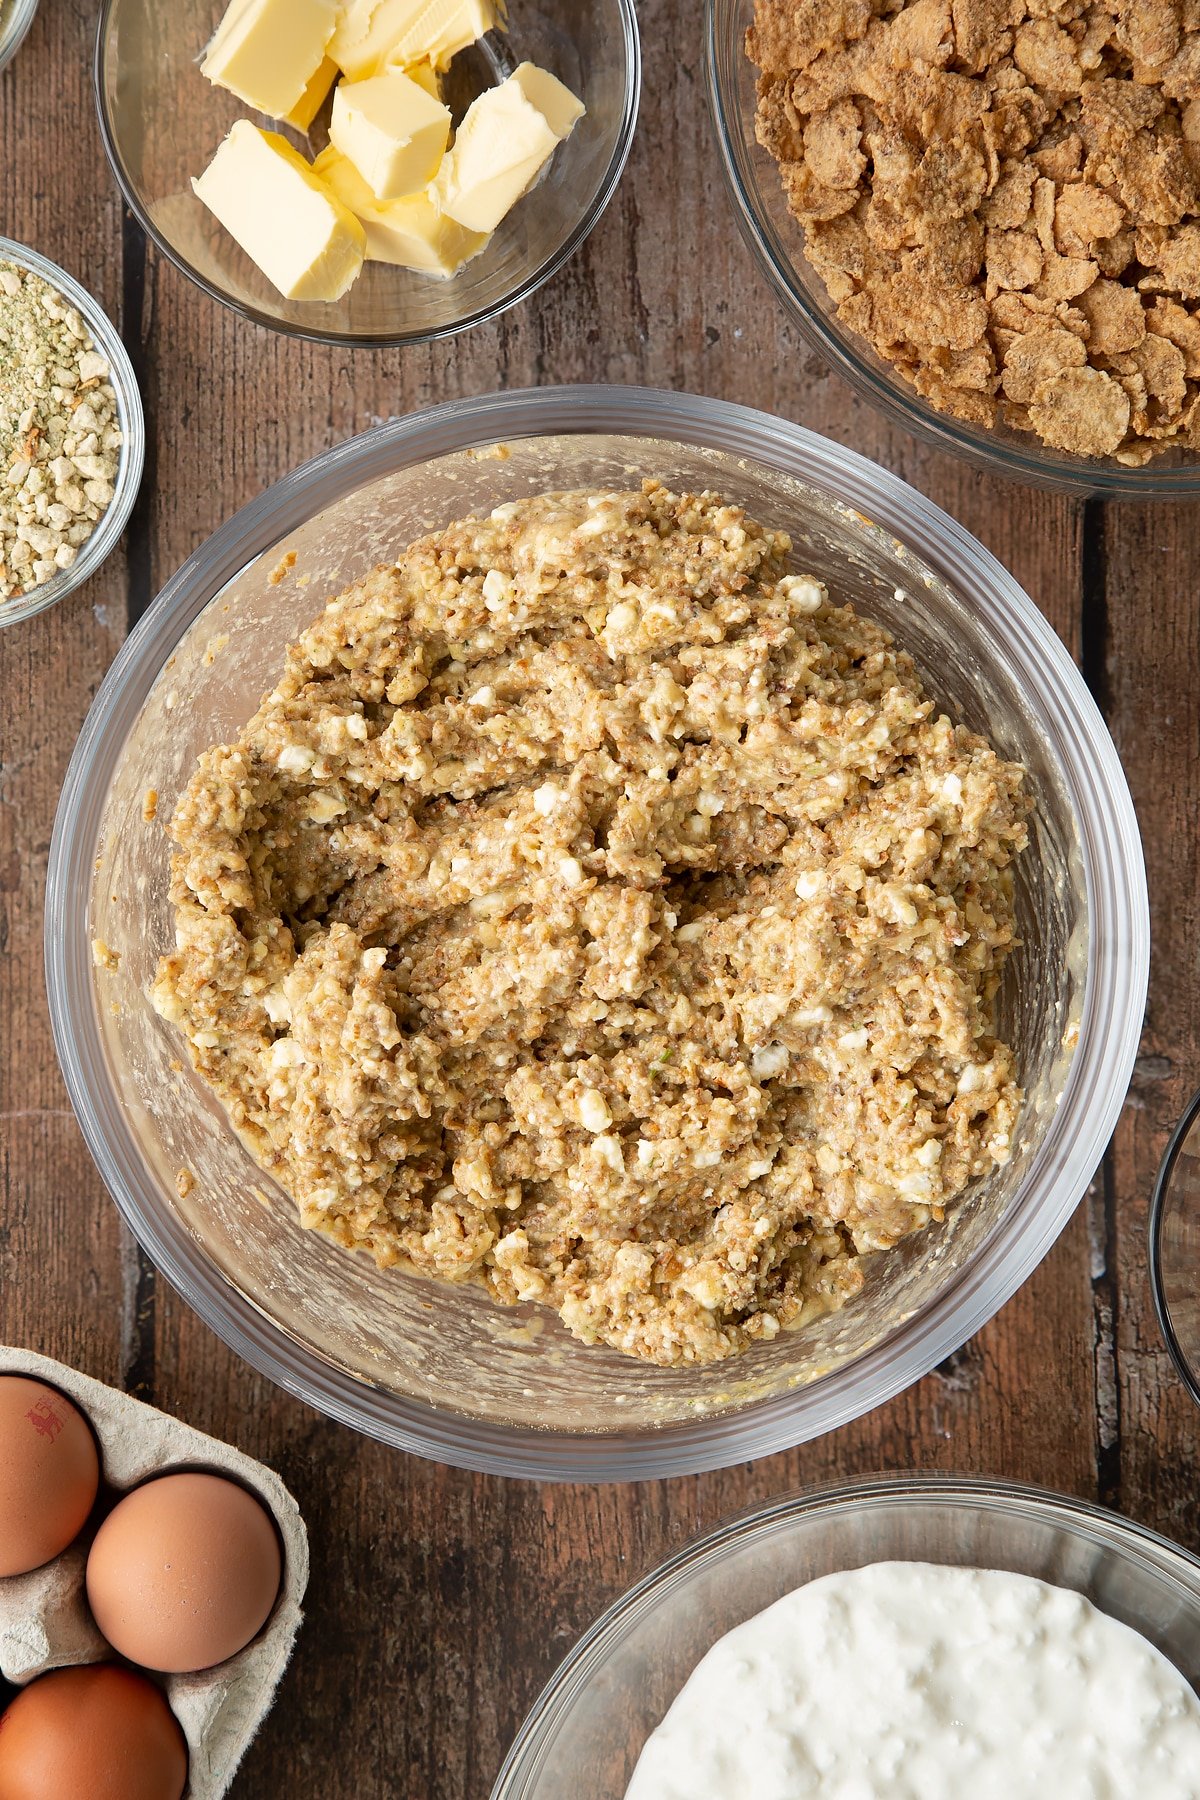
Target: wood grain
{"type": "Point", "coordinates": [441, 1601]}
{"type": "Point", "coordinates": [1149, 687]}
{"type": "Point", "coordinates": [67, 1269]}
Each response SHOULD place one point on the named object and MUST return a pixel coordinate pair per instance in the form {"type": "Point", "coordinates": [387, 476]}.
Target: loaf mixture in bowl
{"type": "Point", "coordinates": [598, 911]}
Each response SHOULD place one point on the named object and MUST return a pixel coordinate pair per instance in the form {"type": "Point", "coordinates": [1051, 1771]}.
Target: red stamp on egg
{"type": "Point", "coordinates": [45, 1420]}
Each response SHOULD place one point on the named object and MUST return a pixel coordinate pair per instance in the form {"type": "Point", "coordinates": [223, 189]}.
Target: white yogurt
{"type": "Point", "coordinates": [918, 1682]}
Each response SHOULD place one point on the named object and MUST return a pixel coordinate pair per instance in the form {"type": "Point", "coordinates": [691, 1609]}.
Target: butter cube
{"type": "Point", "coordinates": [505, 141]}
{"type": "Point", "coordinates": [423, 73]}
{"type": "Point", "coordinates": [374, 32]}
{"type": "Point", "coordinates": [282, 214]}
{"type": "Point", "coordinates": [270, 52]}
{"type": "Point", "coordinates": [393, 132]}
{"type": "Point", "coordinates": [411, 233]}
{"type": "Point", "coordinates": [313, 97]}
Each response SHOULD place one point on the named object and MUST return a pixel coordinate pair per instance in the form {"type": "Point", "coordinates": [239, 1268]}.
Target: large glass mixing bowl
{"type": "Point", "coordinates": [445, 1371]}
{"type": "Point", "coordinates": [587, 1730]}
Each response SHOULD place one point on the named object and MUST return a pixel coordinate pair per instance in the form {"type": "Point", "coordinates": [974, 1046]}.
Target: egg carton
{"type": "Point", "coordinates": [44, 1618]}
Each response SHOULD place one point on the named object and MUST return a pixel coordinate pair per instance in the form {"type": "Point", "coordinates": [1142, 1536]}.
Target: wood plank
{"type": "Point", "coordinates": [66, 1264]}
{"type": "Point", "coordinates": [441, 1601]}
{"type": "Point", "coordinates": [1152, 630]}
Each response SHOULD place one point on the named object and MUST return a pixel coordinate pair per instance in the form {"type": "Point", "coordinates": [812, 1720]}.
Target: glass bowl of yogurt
{"type": "Point", "coordinates": [162, 122]}
{"type": "Point", "coordinates": [443, 1369]}
{"type": "Point", "coordinates": [1035, 1596]}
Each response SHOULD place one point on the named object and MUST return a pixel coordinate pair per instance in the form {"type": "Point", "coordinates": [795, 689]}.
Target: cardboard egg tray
{"type": "Point", "coordinates": [44, 1618]}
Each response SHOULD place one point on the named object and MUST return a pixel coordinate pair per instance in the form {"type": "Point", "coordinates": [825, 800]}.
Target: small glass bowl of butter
{"type": "Point", "coordinates": [282, 184]}
{"type": "Point", "coordinates": [16, 16]}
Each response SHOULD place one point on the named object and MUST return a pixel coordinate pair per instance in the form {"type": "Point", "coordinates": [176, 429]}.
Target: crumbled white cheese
{"type": "Point", "coordinates": [296, 759]}
{"type": "Point", "coordinates": [496, 589]}
{"type": "Point", "coordinates": [594, 1114]}
{"type": "Point", "coordinates": [609, 1148]}
{"type": "Point", "coordinates": [803, 593]}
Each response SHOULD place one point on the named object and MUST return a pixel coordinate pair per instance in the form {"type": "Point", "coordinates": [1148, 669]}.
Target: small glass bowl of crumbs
{"type": "Point", "coordinates": [72, 434]}
{"type": "Point", "coordinates": [1026, 299]}
{"type": "Point", "coordinates": [16, 16]}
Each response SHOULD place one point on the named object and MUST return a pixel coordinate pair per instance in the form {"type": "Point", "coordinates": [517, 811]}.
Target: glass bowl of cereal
{"type": "Point", "coordinates": [72, 434]}
{"type": "Point", "coordinates": [549, 1344]}
{"type": "Point", "coordinates": [1010, 280]}
{"type": "Point", "coordinates": [163, 123]}
{"type": "Point", "coordinates": [860, 1541]}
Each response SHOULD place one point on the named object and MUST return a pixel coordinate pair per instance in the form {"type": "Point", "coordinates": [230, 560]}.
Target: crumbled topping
{"type": "Point", "coordinates": [657, 990]}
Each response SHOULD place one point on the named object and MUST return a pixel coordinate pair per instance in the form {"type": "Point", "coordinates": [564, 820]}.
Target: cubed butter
{"type": "Point", "coordinates": [374, 32]}
{"type": "Point", "coordinates": [411, 233]}
{"type": "Point", "coordinates": [423, 73]}
{"type": "Point", "coordinates": [283, 215]}
{"type": "Point", "coordinates": [505, 141]}
{"type": "Point", "coordinates": [313, 97]}
{"type": "Point", "coordinates": [270, 52]}
{"type": "Point", "coordinates": [393, 132]}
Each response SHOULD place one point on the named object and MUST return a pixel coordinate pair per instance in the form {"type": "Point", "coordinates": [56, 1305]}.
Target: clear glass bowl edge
{"type": "Point", "coordinates": [1036, 466]}
{"type": "Point", "coordinates": [534, 1740]}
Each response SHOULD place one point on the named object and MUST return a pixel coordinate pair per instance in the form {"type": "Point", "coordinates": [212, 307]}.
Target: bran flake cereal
{"type": "Point", "coordinates": [1003, 199]}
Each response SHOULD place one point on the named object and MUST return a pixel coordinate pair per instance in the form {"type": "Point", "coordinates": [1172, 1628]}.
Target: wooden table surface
{"type": "Point", "coordinates": [441, 1601]}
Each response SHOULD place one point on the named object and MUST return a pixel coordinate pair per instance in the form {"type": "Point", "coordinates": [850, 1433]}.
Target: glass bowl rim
{"type": "Point", "coordinates": [530, 283]}
{"type": "Point", "coordinates": [109, 528]}
{"type": "Point", "coordinates": [1039, 467]}
{"type": "Point", "coordinates": [13, 36]}
{"type": "Point", "coordinates": [1096, 1082]}
{"type": "Point", "coordinates": [1158, 1206]}
{"type": "Point", "coordinates": [587, 1657]}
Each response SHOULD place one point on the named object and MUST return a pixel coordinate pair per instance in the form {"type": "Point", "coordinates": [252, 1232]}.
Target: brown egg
{"type": "Point", "coordinates": [49, 1473]}
{"type": "Point", "coordinates": [97, 1733]}
{"type": "Point", "coordinates": [184, 1572]}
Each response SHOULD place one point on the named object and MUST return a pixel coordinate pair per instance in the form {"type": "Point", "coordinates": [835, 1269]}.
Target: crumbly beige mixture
{"type": "Point", "coordinates": [598, 912]}
{"type": "Point", "coordinates": [1003, 198]}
